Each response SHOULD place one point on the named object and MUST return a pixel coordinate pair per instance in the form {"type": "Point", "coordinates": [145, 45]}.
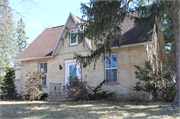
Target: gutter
{"type": "Point", "coordinates": [130, 45]}
{"type": "Point", "coordinates": [32, 58]}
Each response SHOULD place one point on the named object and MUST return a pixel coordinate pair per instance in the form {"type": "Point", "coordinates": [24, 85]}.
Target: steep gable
{"type": "Point", "coordinates": [71, 23]}
{"type": "Point", "coordinates": [49, 42]}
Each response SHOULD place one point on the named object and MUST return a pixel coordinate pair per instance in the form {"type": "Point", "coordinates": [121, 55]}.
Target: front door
{"type": "Point", "coordinates": [72, 72]}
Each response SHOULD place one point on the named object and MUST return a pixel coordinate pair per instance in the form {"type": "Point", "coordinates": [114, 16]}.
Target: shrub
{"type": "Point", "coordinates": [76, 89]}
{"type": "Point", "coordinates": [32, 88]}
{"type": "Point", "coordinates": [97, 93]}
{"type": "Point", "coordinates": [8, 88]}
{"type": "Point", "coordinates": [169, 93]}
{"type": "Point", "coordinates": [43, 96]}
{"type": "Point", "coordinates": [148, 81]}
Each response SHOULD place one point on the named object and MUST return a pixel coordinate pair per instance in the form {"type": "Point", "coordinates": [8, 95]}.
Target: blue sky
{"type": "Point", "coordinates": [43, 14]}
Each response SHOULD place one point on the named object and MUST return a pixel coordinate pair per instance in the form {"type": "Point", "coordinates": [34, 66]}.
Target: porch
{"type": "Point", "coordinates": [56, 93]}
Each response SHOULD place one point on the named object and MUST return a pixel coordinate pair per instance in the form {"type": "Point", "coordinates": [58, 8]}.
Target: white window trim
{"type": "Point", "coordinates": [70, 62]}
{"type": "Point", "coordinates": [112, 67]}
{"type": "Point", "coordinates": [71, 44]}
{"type": "Point", "coordinates": [45, 73]}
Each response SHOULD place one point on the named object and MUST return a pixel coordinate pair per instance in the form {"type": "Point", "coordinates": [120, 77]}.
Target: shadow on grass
{"type": "Point", "coordinates": [82, 110]}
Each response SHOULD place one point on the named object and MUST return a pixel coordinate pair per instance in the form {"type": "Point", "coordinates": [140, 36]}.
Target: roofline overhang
{"type": "Point", "coordinates": [130, 45]}
{"type": "Point", "coordinates": [34, 58]}
{"type": "Point", "coordinates": [122, 46]}
{"type": "Point", "coordinates": [60, 36]}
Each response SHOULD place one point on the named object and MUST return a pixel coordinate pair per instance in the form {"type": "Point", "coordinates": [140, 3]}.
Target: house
{"type": "Point", "coordinates": [52, 52]}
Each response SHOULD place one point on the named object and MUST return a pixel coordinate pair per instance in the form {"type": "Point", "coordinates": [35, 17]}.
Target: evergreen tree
{"type": "Point", "coordinates": [101, 21]}
{"type": "Point", "coordinates": [8, 88]}
{"type": "Point", "coordinates": [101, 24]}
{"type": "Point", "coordinates": [168, 31]}
{"type": "Point", "coordinates": [7, 35]}
{"type": "Point", "coordinates": [148, 80]}
{"type": "Point", "coordinates": [159, 9]}
{"type": "Point", "coordinates": [21, 36]}
{"type": "Point", "coordinates": [175, 6]}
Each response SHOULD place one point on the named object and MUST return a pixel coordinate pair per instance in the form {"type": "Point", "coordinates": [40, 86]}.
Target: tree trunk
{"type": "Point", "coordinates": [176, 21]}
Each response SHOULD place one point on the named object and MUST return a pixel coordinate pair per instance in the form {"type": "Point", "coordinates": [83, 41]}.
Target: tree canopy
{"type": "Point", "coordinates": [101, 24]}
{"type": "Point", "coordinates": [12, 40]}
{"type": "Point", "coordinates": [102, 19]}
{"type": "Point", "coordinates": [7, 35]}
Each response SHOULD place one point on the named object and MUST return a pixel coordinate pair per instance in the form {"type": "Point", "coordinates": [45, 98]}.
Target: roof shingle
{"type": "Point", "coordinates": [43, 45]}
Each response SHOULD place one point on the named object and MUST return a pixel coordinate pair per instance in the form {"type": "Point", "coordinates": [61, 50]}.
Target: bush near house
{"type": "Point", "coordinates": [97, 93]}
{"type": "Point", "coordinates": [43, 96]}
{"type": "Point", "coordinates": [32, 88]}
{"type": "Point", "coordinates": [151, 82]}
{"type": "Point", "coordinates": [79, 90]}
{"type": "Point", "coordinates": [8, 88]}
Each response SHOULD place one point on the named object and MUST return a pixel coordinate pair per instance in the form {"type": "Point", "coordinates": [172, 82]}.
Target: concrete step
{"type": "Point", "coordinates": [61, 97]}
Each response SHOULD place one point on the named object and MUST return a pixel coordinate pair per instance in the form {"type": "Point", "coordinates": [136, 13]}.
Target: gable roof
{"type": "Point", "coordinates": [76, 20]}
{"type": "Point", "coordinates": [134, 35]}
{"type": "Point", "coordinates": [46, 43]}
{"type": "Point", "coordinates": [43, 45]}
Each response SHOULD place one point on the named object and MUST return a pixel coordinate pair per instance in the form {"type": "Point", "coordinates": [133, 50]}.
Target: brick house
{"type": "Point", "coordinates": [53, 53]}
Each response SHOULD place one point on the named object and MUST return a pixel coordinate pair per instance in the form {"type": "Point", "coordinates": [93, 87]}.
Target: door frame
{"type": "Point", "coordinates": [66, 71]}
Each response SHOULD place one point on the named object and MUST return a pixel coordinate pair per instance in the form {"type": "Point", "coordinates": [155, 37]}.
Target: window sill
{"type": "Point", "coordinates": [73, 45]}
{"type": "Point", "coordinates": [111, 83]}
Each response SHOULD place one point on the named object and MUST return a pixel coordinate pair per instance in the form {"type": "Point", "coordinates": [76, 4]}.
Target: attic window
{"type": "Point", "coordinates": [73, 37]}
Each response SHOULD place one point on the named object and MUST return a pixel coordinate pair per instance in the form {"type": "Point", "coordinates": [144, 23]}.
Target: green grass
{"type": "Point", "coordinates": [41, 109]}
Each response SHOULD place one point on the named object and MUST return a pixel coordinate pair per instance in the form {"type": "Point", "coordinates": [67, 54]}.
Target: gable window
{"type": "Point", "coordinates": [111, 68]}
{"type": "Point", "coordinates": [43, 67]}
{"type": "Point", "coordinates": [73, 37]}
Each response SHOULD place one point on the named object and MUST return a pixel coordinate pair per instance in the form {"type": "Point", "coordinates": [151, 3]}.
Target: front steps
{"type": "Point", "coordinates": [61, 97]}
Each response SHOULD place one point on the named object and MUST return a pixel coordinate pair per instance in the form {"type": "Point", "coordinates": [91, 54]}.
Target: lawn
{"type": "Point", "coordinates": [42, 109]}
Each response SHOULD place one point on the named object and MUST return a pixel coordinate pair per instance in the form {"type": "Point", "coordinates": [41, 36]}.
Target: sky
{"type": "Point", "coordinates": [41, 14]}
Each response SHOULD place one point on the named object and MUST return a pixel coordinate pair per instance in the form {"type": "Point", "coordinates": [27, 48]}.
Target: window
{"type": "Point", "coordinates": [111, 68]}
{"type": "Point", "coordinates": [73, 37]}
{"type": "Point", "coordinates": [43, 67]}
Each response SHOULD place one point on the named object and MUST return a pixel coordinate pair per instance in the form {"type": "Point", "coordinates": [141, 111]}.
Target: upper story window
{"type": "Point", "coordinates": [73, 37]}
{"type": "Point", "coordinates": [111, 68]}
{"type": "Point", "coordinates": [43, 67]}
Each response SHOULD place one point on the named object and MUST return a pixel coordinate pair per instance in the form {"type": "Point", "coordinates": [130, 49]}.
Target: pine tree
{"type": "Point", "coordinates": [8, 88]}
{"type": "Point", "coordinates": [159, 9]}
{"type": "Point", "coordinates": [7, 35]}
{"type": "Point", "coordinates": [175, 6]}
{"type": "Point", "coordinates": [101, 19]}
{"type": "Point", "coordinates": [21, 36]}
{"type": "Point", "coordinates": [101, 24]}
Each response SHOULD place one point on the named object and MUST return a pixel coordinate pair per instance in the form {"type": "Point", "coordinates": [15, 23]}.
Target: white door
{"type": "Point", "coordinates": [72, 71]}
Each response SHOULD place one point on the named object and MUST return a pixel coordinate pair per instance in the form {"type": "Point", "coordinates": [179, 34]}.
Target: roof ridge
{"type": "Point", "coordinates": [57, 26]}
